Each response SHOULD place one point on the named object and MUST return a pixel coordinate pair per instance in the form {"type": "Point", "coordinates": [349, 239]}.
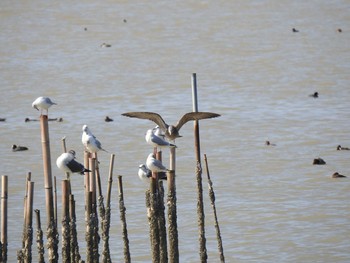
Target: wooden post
{"type": "Point", "coordinates": [172, 219]}
{"type": "Point", "coordinates": [4, 196]}
{"type": "Point", "coordinates": [52, 230]}
{"type": "Point", "coordinates": [122, 209]}
{"type": "Point", "coordinates": [200, 205]}
{"type": "Point", "coordinates": [29, 222]}
{"type": "Point", "coordinates": [65, 222]}
{"type": "Point", "coordinates": [39, 238]}
{"type": "Point", "coordinates": [212, 199]}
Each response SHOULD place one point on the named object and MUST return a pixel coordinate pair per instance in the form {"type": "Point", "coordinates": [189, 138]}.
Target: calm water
{"type": "Point", "coordinates": [273, 204]}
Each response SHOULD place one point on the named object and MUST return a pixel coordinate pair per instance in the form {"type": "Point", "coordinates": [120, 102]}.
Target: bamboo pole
{"type": "Point", "coordinates": [4, 196]}
{"type": "Point", "coordinates": [52, 230]}
{"type": "Point", "coordinates": [29, 228]}
{"type": "Point", "coordinates": [74, 247]}
{"type": "Point", "coordinates": [212, 200]}
{"type": "Point", "coordinates": [64, 148]}
{"type": "Point", "coordinates": [65, 222]}
{"type": "Point", "coordinates": [200, 206]}
{"type": "Point", "coordinates": [106, 257]}
{"type": "Point", "coordinates": [39, 238]}
{"type": "Point", "coordinates": [55, 199]}
{"type": "Point", "coordinates": [122, 210]}
{"type": "Point", "coordinates": [172, 219]}
{"type": "Point", "coordinates": [92, 182]}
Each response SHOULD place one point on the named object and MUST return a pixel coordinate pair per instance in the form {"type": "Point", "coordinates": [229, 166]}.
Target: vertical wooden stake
{"type": "Point", "coordinates": [4, 195]}
{"type": "Point", "coordinates": [200, 205]}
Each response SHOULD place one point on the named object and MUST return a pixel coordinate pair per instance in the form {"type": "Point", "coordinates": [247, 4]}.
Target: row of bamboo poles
{"type": "Point", "coordinates": [163, 230]}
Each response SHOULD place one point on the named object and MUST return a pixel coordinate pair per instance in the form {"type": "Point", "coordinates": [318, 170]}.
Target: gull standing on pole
{"type": "Point", "coordinates": [155, 165]}
{"type": "Point", "coordinates": [90, 141]}
{"type": "Point", "coordinates": [156, 141]}
{"type": "Point", "coordinates": [145, 173]}
{"type": "Point", "coordinates": [67, 163]}
{"type": "Point", "coordinates": [171, 131]}
{"type": "Point", "coordinates": [43, 103]}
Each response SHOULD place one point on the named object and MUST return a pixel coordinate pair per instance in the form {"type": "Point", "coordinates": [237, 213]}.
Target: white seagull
{"type": "Point", "coordinates": [90, 141]}
{"type": "Point", "coordinates": [155, 165]}
{"type": "Point", "coordinates": [145, 173]}
{"type": "Point", "coordinates": [43, 103]}
{"type": "Point", "coordinates": [67, 163]}
{"type": "Point", "coordinates": [156, 141]}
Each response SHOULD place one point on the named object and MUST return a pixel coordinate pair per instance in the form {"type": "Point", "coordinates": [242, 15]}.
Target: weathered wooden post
{"type": "Point", "coordinates": [39, 238]}
{"type": "Point", "coordinates": [122, 210]}
{"type": "Point", "coordinates": [200, 205]}
{"type": "Point", "coordinates": [4, 196]}
{"type": "Point", "coordinates": [212, 200]}
{"type": "Point", "coordinates": [52, 234]}
{"type": "Point", "coordinates": [28, 241]}
{"type": "Point", "coordinates": [65, 223]}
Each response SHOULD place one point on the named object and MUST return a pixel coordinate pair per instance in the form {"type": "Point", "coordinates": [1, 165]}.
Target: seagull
{"type": "Point", "coordinates": [171, 131]}
{"type": "Point", "coordinates": [67, 163]}
{"type": "Point", "coordinates": [157, 131]}
{"type": "Point", "coordinates": [155, 165]}
{"type": "Point", "coordinates": [156, 141]}
{"type": "Point", "coordinates": [90, 141]}
{"type": "Point", "coordinates": [17, 148]}
{"type": "Point", "coordinates": [268, 143]}
{"type": "Point", "coordinates": [43, 103]}
{"type": "Point", "coordinates": [145, 173]}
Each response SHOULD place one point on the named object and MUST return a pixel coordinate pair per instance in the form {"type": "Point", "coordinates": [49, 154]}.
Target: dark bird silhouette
{"type": "Point", "coordinates": [171, 131]}
{"type": "Point", "coordinates": [295, 30]}
{"type": "Point", "coordinates": [319, 161]}
{"type": "Point", "coordinates": [315, 95]}
{"type": "Point", "coordinates": [268, 143]}
{"type": "Point", "coordinates": [339, 148]}
{"type": "Point", "coordinates": [107, 119]}
{"type": "Point", "coordinates": [2, 119]}
{"type": "Point", "coordinates": [17, 148]}
{"type": "Point", "coordinates": [338, 175]}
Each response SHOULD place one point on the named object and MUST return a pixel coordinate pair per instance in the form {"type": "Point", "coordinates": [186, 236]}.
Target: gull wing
{"type": "Point", "coordinates": [75, 167]}
{"type": "Point", "coordinates": [155, 117]}
{"type": "Point", "coordinates": [195, 116]}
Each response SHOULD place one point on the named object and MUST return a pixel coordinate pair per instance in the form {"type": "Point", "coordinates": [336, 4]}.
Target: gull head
{"type": "Point", "coordinates": [86, 129]}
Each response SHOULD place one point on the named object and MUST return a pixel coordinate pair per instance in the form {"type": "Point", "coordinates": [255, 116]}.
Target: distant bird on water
{"type": "Point", "coordinates": [67, 163]}
{"type": "Point", "coordinates": [338, 175]}
{"type": "Point", "coordinates": [43, 103]}
{"type": "Point", "coordinates": [17, 148]}
{"type": "Point", "coordinates": [315, 95]}
{"type": "Point", "coordinates": [319, 161]}
{"type": "Point", "coordinates": [295, 30]}
{"type": "Point", "coordinates": [107, 119]}
{"type": "Point", "coordinates": [156, 141]}
{"type": "Point", "coordinates": [171, 131]}
{"type": "Point", "coordinates": [145, 173]}
{"type": "Point", "coordinates": [2, 119]}
{"type": "Point", "coordinates": [268, 143]}
{"type": "Point", "coordinates": [339, 148]}
{"type": "Point", "coordinates": [90, 141]}
{"type": "Point", "coordinates": [155, 165]}
{"type": "Point", "coordinates": [105, 45]}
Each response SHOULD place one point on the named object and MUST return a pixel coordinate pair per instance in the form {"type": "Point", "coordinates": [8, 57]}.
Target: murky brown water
{"type": "Point", "coordinates": [273, 204]}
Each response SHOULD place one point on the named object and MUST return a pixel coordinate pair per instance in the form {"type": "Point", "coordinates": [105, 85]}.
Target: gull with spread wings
{"type": "Point", "coordinates": [171, 131]}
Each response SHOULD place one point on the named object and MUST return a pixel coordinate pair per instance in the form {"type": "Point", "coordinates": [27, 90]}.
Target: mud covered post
{"type": "Point", "coordinates": [39, 238]}
{"type": "Point", "coordinates": [200, 205]}
{"type": "Point", "coordinates": [122, 210]}
{"type": "Point", "coordinates": [212, 200]}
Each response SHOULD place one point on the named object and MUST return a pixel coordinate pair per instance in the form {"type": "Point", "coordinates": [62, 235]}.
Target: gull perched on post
{"type": "Point", "coordinates": [43, 103]}
{"type": "Point", "coordinates": [145, 173]}
{"type": "Point", "coordinates": [155, 165]}
{"type": "Point", "coordinates": [156, 141]}
{"type": "Point", "coordinates": [67, 163]}
{"type": "Point", "coordinates": [90, 141]}
{"type": "Point", "coordinates": [171, 131]}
